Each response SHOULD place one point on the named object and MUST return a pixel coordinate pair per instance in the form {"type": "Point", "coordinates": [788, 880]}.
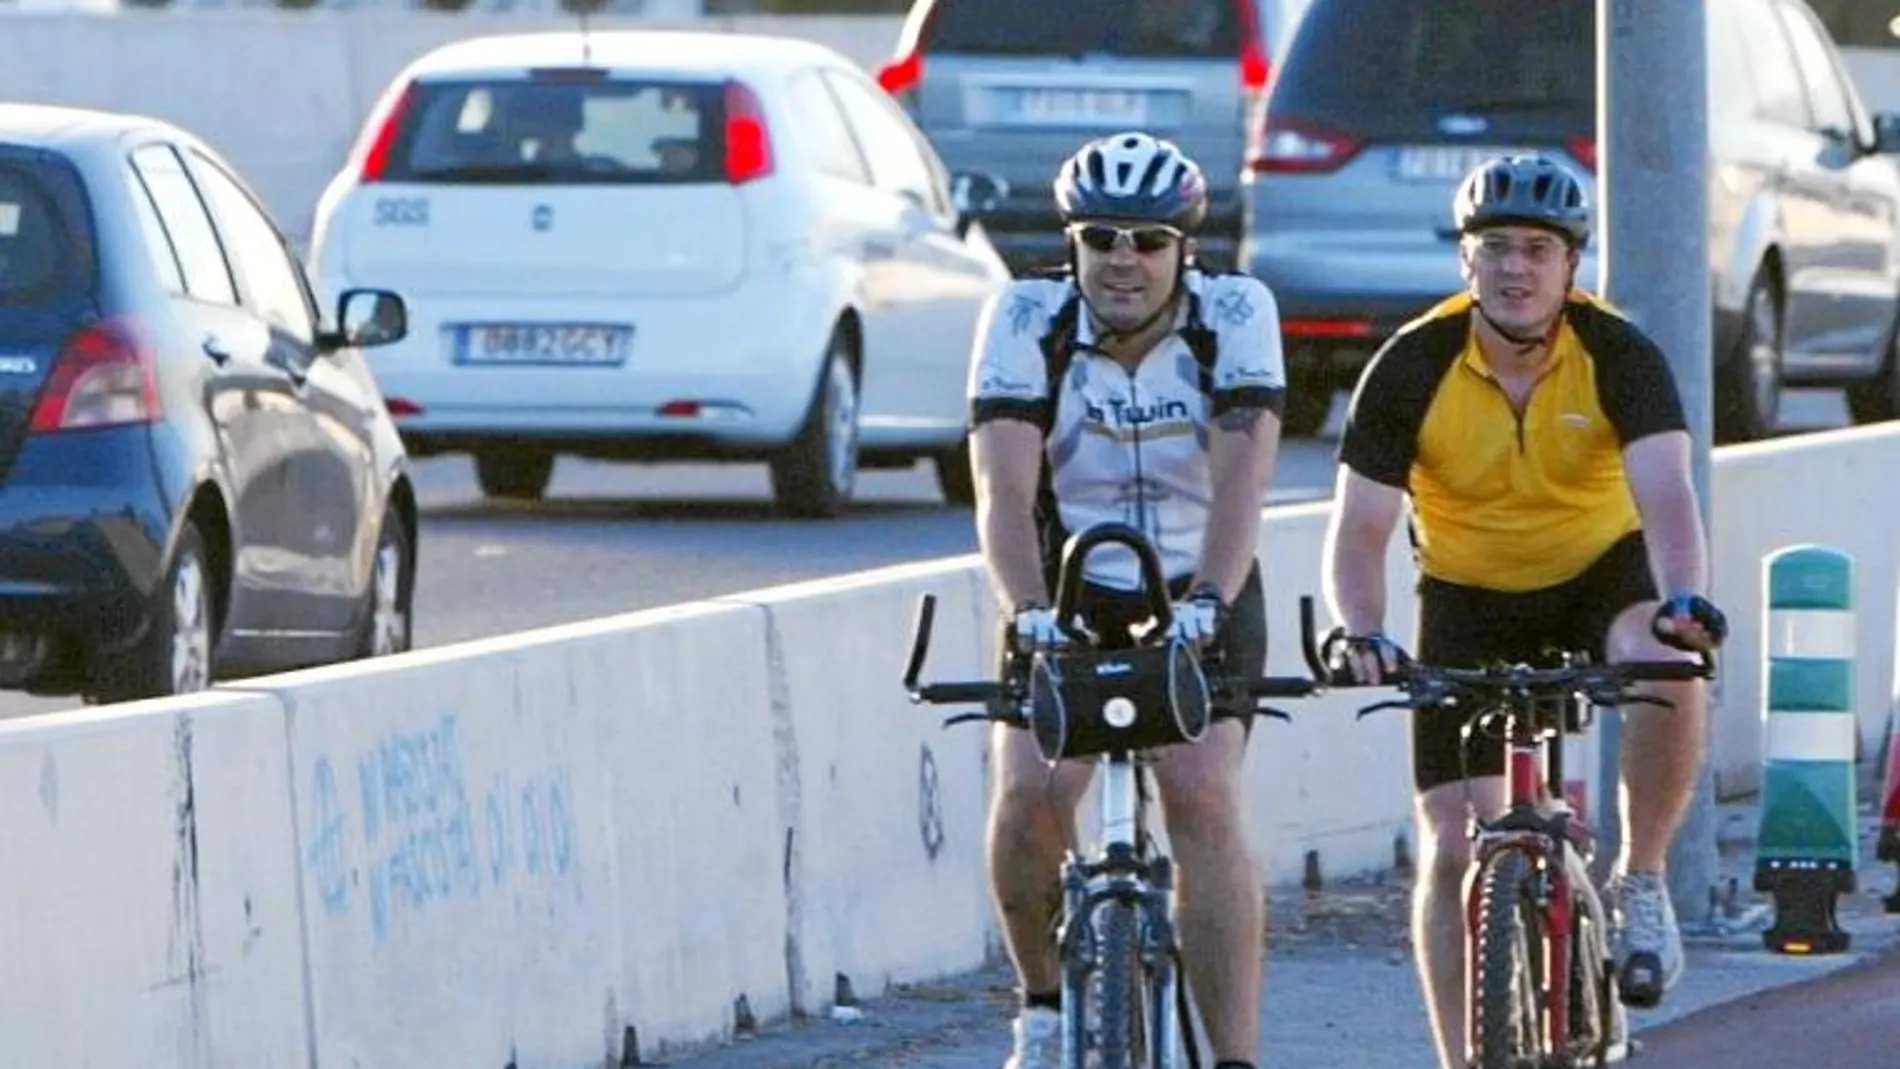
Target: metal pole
{"type": "Point", "coordinates": [1652, 122]}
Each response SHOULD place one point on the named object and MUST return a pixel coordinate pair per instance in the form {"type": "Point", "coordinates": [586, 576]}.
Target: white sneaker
{"type": "Point", "coordinates": [1038, 1040]}
{"type": "Point", "coordinates": [1649, 944]}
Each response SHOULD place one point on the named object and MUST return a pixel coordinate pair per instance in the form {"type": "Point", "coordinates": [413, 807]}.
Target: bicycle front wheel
{"type": "Point", "coordinates": [1120, 1032]}
{"type": "Point", "coordinates": [1507, 1025]}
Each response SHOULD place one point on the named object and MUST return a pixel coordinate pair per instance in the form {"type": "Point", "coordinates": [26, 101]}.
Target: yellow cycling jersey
{"type": "Point", "coordinates": [1500, 501]}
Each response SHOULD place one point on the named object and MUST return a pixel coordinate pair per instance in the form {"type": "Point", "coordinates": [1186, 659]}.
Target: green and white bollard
{"type": "Point", "coordinates": [1807, 850]}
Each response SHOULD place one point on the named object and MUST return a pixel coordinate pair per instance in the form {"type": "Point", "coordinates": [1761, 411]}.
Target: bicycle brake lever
{"type": "Point", "coordinates": [1370, 709]}
{"type": "Point", "coordinates": [964, 718]}
{"type": "Point", "coordinates": [1648, 699]}
{"type": "Point", "coordinates": [1272, 712]}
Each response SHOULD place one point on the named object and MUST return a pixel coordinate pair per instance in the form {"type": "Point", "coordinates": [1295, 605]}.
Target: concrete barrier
{"type": "Point", "coordinates": [884, 807]}
{"type": "Point", "coordinates": [1327, 783]}
{"type": "Point", "coordinates": [682, 702]}
{"type": "Point", "coordinates": [517, 850]}
{"type": "Point", "coordinates": [455, 829]}
{"type": "Point", "coordinates": [150, 912]}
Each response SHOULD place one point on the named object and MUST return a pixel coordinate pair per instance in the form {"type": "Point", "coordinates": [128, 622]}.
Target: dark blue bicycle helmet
{"type": "Point", "coordinates": [1132, 176]}
{"type": "Point", "coordinates": [1524, 191]}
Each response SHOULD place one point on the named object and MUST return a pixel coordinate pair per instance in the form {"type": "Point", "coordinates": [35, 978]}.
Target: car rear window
{"type": "Point", "coordinates": [1078, 27]}
{"type": "Point", "coordinates": [1433, 57]}
{"type": "Point", "coordinates": [561, 130]}
{"type": "Point", "coordinates": [40, 256]}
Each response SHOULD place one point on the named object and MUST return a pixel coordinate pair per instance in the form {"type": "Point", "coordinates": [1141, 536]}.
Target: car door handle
{"type": "Point", "coordinates": [878, 249]}
{"type": "Point", "coordinates": [297, 375]}
{"type": "Point", "coordinates": [215, 348]}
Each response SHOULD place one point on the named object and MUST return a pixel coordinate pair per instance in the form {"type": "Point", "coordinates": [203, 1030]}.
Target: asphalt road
{"type": "Point", "coordinates": [1850, 1017]}
{"type": "Point", "coordinates": [617, 537]}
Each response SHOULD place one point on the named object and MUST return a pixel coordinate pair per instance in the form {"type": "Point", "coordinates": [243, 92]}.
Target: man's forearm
{"type": "Point", "coordinates": [1678, 551]}
{"type": "Point", "coordinates": [1012, 553]}
{"type": "Point", "coordinates": [1233, 539]}
{"type": "Point", "coordinates": [1355, 585]}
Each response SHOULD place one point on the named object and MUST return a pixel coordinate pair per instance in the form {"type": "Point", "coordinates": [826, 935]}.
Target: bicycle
{"type": "Point", "coordinates": [1542, 990]}
{"type": "Point", "coordinates": [1122, 999]}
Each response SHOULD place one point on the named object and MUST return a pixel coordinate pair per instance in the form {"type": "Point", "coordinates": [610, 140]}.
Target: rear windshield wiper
{"type": "Point", "coordinates": [1515, 104]}
{"type": "Point", "coordinates": [488, 172]}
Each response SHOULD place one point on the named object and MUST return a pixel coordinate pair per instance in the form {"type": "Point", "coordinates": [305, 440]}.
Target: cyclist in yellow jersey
{"type": "Point", "coordinates": [1541, 442]}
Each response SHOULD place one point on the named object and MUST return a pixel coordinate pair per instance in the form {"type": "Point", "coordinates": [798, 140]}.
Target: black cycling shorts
{"type": "Point", "coordinates": [1465, 627]}
{"type": "Point", "coordinates": [1239, 649]}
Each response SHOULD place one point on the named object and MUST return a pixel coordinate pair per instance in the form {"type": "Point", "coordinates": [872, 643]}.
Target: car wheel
{"type": "Point", "coordinates": [1748, 383]}
{"type": "Point", "coordinates": [175, 656]}
{"type": "Point", "coordinates": [514, 473]}
{"type": "Point", "coordinates": [815, 474]}
{"type": "Point", "coordinates": [1877, 400]}
{"type": "Point", "coordinates": [954, 476]}
{"type": "Point", "coordinates": [388, 625]}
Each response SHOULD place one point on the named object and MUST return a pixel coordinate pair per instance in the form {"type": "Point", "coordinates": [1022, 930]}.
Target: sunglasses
{"type": "Point", "coordinates": [1144, 239]}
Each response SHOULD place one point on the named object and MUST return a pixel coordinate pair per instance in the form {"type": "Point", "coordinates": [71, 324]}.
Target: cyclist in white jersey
{"type": "Point", "coordinates": [1165, 417]}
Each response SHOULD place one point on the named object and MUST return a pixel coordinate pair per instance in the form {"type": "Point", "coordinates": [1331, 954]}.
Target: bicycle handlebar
{"type": "Point", "coordinates": [1598, 684]}
{"type": "Point", "coordinates": [1005, 696]}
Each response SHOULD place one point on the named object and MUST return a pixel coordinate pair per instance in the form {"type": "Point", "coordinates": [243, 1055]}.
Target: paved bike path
{"type": "Point", "coordinates": [1850, 1017]}
{"type": "Point", "coordinates": [1341, 993]}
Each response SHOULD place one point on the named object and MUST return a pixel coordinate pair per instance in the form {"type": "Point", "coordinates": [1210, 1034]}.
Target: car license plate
{"type": "Point", "coordinates": [1444, 163]}
{"type": "Point", "coordinates": [1081, 107]}
{"type": "Point", "coordinates": [545, 344]}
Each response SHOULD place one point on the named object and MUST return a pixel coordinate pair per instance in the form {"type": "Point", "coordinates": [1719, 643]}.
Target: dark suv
{"type": "Point", "coordinates": [1009, 90]}
{"type": "Point", "coordinates": [1350, 179]}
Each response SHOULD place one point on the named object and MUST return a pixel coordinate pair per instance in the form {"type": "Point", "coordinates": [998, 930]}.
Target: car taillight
{"type": "Point", "coordinates": [104, 376]}
{"type": "Point", "coordinates": [1254, 66]}
{"type": "Point", "coordinates": [901, 76]}
{"type": "Point", "coordinates": [379, 133]}
{"type": "Point", "coordinates": [1584, 149]}
{"type": "Point", "coordinates": [748, 141]}
{"type": "Point", "coordinates": [1290, 147]}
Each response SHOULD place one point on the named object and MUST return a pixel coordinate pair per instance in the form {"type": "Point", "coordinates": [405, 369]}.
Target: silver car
{"type": "Point", "coordinates": [1009, 90]}
{"type": "Point", "coordinates": [1350, 180]}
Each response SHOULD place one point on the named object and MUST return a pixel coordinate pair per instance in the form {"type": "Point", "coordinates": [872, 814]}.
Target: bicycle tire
{"type": "Point", "coordinates": [1120, 1031]}
{"type": "Point", "coordinates": [1507, 1029]}
{"type": "Point", "coordinates": [1595, 1010]}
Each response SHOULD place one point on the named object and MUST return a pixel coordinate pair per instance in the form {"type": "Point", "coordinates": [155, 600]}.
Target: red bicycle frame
{"type": "Point", "coordinates": [1543, 836]}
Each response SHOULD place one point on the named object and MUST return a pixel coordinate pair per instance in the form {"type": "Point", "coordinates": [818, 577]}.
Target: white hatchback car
{"type": "Point", "coordinates": [661, 245]}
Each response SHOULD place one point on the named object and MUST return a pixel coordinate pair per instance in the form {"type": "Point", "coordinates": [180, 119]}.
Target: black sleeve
{"type": "Point", "coordinates": [985, 409]}
{"type": "Point", "coordinates": [1634, 383]}
{"type": "Point", "coordinates": [1388, 408]}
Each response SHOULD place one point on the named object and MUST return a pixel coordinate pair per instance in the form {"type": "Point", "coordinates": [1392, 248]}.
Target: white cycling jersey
{"type": "Point", "coordinates": [1130, 447]}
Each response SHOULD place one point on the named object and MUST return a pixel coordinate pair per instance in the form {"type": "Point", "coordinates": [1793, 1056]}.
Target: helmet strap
{"type": "Point", "coordinates": [1526, 343]}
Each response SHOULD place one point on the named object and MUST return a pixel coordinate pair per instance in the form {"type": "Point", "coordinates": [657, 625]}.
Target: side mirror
{"type": "Point", "coordinates": [367, 318]}
{"type": "Point", "coordinates": [1887, 133]}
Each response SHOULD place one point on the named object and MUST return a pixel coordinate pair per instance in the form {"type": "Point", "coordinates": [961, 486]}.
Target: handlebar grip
{"type": "Point", "coordinates": [1664, 671]}
{"type": "Point", "coordinates": [956, 693]}
{"type": "Point", "coordinates": [1269, 687]}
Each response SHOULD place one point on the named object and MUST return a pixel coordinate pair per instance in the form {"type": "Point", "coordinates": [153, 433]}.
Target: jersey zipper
{"type": "Point", "coordinates": [1517, 415]}
{"type": "Point", "coordinates": [1141, 483]}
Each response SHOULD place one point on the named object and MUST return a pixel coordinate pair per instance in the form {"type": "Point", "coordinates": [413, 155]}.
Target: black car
{"type": "Point", "coordinates": [198, 477]}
